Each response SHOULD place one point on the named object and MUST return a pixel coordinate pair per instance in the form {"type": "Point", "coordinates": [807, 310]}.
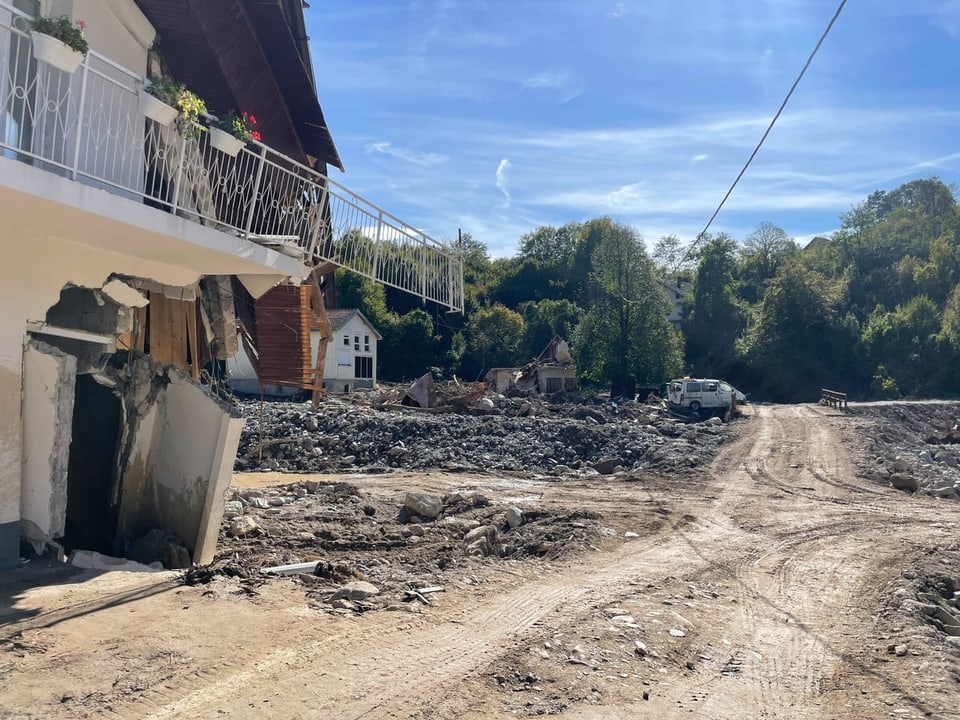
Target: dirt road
{"type": "Point", "coordinates": [752, 592]}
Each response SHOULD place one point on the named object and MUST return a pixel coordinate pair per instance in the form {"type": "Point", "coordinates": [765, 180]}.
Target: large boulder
{"type": "Point", "coordinates": [902, 481]}
{"type": "Point", "coordinates": [423, 505]}
{"type": "Point", "coordinates": [354, 591]}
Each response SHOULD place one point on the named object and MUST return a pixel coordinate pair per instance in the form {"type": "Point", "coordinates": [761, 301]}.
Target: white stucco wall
{"type": "Point", "coordinates": [56, 231]}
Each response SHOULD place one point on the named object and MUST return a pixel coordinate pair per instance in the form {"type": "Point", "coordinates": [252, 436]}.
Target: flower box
{"type": "Point", "coordinates": [156, 109]}
{"type": "Point", "coordinates": [225, 142]}
{"type": "Point", "coordinates": [55, 53]}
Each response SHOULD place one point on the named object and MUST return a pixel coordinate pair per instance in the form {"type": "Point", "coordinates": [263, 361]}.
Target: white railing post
{"type": "Point", "coordinates": [74, 168]}
{"type": "Point", "coordinates": [423, 269]}
{"type": "Point", "coordinates": [261, 161]}
{"type": "Point", "coordinates": [374, 270]}
{"type": "Point", "coordinates": [319, 220]}
{"type": "Point", "coordinates": [178, 177]}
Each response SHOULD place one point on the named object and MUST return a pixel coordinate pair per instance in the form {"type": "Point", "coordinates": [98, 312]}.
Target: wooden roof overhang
{"type": "Point", "coordinates": [242, 55]}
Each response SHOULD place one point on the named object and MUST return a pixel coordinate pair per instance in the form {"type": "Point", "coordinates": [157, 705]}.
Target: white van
{"type": "Point", "coordinates": [698, 394]}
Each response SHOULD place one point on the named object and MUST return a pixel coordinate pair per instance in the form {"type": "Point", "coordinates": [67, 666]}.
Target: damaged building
{"type": "Point", "coordinates": [136, 249]}
{"type": "Point", "coordinates": [552, 372]}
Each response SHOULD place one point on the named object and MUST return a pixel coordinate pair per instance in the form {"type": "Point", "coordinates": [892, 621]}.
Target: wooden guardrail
{"type": "Point", "coordinates": [833, 398]}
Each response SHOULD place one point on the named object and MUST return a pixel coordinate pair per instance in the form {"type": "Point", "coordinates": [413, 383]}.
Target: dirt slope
{"type": "Point", "coordinates": [754, 592]}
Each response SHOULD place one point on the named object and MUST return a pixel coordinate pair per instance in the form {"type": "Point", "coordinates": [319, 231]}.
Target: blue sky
{"type": "Point", "coordinates": [503, 115]}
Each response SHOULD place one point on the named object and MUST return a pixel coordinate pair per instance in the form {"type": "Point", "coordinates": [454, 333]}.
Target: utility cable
{"type": "Point", "coordinates": [773, 122]}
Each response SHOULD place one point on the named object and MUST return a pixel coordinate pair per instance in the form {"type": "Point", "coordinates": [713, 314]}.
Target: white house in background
{"type": "Point", "coordinates": [352, 353]}
{"type": "Point", "coordinates": [351, 360]}
{"type": "Point", "coordinates": [673, 291]}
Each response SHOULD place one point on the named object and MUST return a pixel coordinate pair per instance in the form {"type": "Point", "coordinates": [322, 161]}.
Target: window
{"type": "Point", "coordinates": [554, 384]}
{"type": "Point", "coordinates": [710, 387]}
{"type": "Point", "coordinates": [356, 343]}
{"type": "Point", "coordinates": [346, 341]}
{"type": "Point", "coordinates": [570, 385]}
{"type": "Point", "coordinates": [693, 387]}
{"type": "Point", "coordinates": [366, 343]}
{"type": "Point", "coordinates": [363, 367]}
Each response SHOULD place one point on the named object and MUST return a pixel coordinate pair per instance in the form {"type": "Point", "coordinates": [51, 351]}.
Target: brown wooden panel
{"type": "Point", "coordinates": [283, 320]}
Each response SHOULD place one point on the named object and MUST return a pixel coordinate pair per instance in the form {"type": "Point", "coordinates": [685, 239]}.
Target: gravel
{"type": "Point", "coordinates": [343, 437]}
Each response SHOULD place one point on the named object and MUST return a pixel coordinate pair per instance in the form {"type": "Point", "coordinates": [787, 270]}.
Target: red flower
{"type": "Point", "coordinates": [82, 24]}
{"type": "Point", "coordinates": [256, 135]}
{"type": "Point", "coordinates": [252, 119]}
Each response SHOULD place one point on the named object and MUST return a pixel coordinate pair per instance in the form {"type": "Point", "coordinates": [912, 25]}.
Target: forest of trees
{"type": "Point", "coordinates": [873, 310]}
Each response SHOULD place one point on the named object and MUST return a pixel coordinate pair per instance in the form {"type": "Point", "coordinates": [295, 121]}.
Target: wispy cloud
{"type": "Point", "coordinates": [502, 180]}
{"type": "Point", "coordinates": [427, 159]}
{"type": "Point", "coordinates": [617, 11]}
{"type": "Point", "coordinates": [561, 84]}
{"type": "Point", "coordinates": [698, 159]}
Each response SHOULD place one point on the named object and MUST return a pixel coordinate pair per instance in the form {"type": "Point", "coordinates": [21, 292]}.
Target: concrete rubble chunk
{"type": "Point", "coordinates": [514, 517]}
{"type": "Point", "coordinates": [483, 541]}
{"type": "Point", "coordinates": [242, 526]}
{"type": "Point", "coordinates": [355, 591]}
{"type": "Point", "coordinates": [232, 509]}
{"type": "Point", "coordinates": [423, 505]}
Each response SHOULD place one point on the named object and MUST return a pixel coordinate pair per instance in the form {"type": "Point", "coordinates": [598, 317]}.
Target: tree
{"type": "Point", "coordinates": [408, 349]}
{"type": "Point", "coordinates": [624, 338]}
{"type": "Point", "coordinates": [763, 252]}
{"type": "Point", "coordinates": [495, 334]}
{"type": "Point", "coordinates": [714, 320]}
{"type": "Point", "coordinates": [801, 342]}
{"type": "Point", "coordinates": [671, 257]}
{"type": "Point", "coordinates": [905, 347]}
{"type": "Point", "coordinates": [550, 246]}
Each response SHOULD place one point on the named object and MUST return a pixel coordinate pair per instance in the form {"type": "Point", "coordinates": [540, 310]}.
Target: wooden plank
{"type": "Point", "coordinates": [193, 338]}
{"type": "Point", "coordinates": [323, 322]}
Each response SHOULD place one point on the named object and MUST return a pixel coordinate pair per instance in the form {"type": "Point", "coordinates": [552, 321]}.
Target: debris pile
{"type": "Point", "coordinates": [516, 435]}
{"type": "Point", "coordinates": [354, 551]}
{"type": "Point", "coordinates": [911, 447]}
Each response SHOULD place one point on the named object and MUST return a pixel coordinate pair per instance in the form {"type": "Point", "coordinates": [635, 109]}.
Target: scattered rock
{"type": "Point", "coordinates": [514, 517]}
{"type": "Point", "coordinates": [242, 526]}
{"type": "Point", "coordinates": [483, 541]}
{"type": "Point", "coordinates": [901, 481]}
{"type": "Point", "coordinates": [607, 467]}
{"type": "Point", "coordinates": [423, 505]}
{"type": "Point", "coordinates": [678, 632]}
{"type": "Point", "coordinates": [640, 648]}
{"type": "Point", "coordinates": [232, 509]}
{"type": "Point", "coordinates": [629, 535]}
{"type": "Point", "coordinates": [355, 591]}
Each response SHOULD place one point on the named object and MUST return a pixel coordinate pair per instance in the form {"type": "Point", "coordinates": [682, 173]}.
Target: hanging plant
{"type": "Point", "coordinates": [65, 30]}
{"type": "Point", "coordinates": [188, 104]}
{"type": "Point", "coordinates": [243, 126]}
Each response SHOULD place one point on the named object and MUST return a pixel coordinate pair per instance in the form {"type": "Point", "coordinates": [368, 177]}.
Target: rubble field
{"type": "Point", "coordinates": [914, 447]}
{"type": "Point", "coordinates": [364, 546]}
{"type": "Point", "coordinates": [512, 435]}
{"type": "Point", "coordinates": [779, 574]}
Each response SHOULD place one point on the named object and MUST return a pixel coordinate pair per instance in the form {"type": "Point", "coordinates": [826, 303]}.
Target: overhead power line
{"type": "Point", "coordinates": [773, 122]}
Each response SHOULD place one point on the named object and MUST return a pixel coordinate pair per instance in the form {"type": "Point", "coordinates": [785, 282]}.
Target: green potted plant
{"type": "Point", "coordinates": [164, 100]}
{"type": "Point", "coordinates": [232, 132]}
{"type": "Point", "coordinates": [59, 42]}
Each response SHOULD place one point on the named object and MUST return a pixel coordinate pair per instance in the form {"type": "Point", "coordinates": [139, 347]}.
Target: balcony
{"type": "Point", "coordinates": [89, 127]}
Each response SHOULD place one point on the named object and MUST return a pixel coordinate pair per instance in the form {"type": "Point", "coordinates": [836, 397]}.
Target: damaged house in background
{"type": "Point", "coordinates": [552, 372]}
{"type": "Point", "coordinates": [140, 251]}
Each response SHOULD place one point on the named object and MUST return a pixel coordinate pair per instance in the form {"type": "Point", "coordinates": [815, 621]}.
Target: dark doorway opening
{"type": "Point", "coordinates": [91, 516]}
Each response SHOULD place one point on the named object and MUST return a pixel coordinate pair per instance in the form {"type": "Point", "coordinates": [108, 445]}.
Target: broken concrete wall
{"type": "Point", "coordinates": [179, 456]}
{"type": "Point", "coordinates": [49, 379]}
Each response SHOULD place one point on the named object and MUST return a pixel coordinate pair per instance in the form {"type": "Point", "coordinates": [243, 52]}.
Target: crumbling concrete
{"type": "Point", "coordinates": [49, 377]}
{"type": "Point", "coordinates": [177, 452]}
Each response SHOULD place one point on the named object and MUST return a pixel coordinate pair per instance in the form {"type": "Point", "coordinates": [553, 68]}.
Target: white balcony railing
{"type": "Point", "coordinates": [88, 126]}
